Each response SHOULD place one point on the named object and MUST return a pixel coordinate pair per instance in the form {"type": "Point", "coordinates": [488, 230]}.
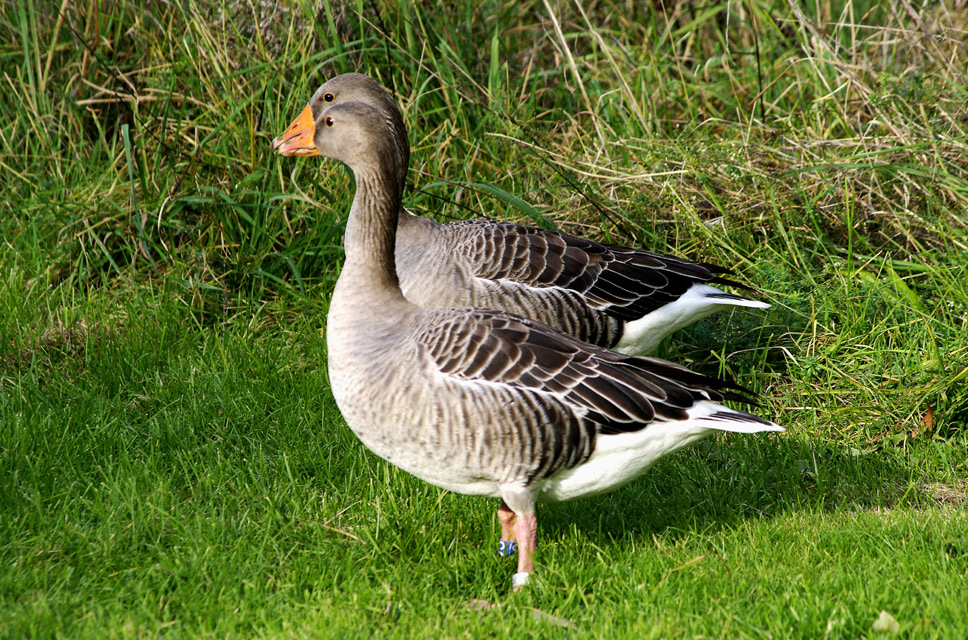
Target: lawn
{"type": "Point", "coordinates": [172, 462]}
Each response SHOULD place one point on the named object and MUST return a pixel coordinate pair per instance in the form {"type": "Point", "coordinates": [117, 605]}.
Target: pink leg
{"type": "Point", "coordinates": [519, 523]}
{"type": "Point", "coordinates": [506, 517]}
{"type": "Point", "coordinates": [526, 532]}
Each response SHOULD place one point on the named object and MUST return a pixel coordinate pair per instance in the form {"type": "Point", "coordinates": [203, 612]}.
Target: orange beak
{"type": "Point", "coordinates": [297, 139]}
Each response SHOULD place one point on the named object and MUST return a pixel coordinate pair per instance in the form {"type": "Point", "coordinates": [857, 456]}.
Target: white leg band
{"type": "Point", "coordinates": [520, 579]}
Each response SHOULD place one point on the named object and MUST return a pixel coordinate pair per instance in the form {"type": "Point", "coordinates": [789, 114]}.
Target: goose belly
{"type": "Point", "coordinates": [620, 458]}
{"type": "Point", "coordinates": [413, 428]}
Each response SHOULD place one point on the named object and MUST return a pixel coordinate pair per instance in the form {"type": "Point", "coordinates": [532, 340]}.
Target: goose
{"type": "Point", "coordinates": [610, 295]}
{"type": "Point", "coordinates": [480, 401]}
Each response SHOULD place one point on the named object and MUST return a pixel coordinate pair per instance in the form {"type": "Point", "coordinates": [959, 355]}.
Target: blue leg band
{"type": "Point", "coordinates": [506, 548]}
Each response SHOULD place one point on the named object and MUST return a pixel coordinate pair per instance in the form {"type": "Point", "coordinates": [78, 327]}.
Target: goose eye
{"type": "Point", "coordinates": [329, 121]}
{"type": "Point", "coordinates": [328, 97]}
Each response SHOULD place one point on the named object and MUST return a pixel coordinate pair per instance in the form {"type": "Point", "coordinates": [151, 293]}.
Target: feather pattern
{"type": "Point", "coordinates": [602, 294]}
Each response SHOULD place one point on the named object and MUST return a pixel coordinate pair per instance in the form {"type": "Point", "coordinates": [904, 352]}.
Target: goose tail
{"type": "Point", "coordinates": [713, 415]}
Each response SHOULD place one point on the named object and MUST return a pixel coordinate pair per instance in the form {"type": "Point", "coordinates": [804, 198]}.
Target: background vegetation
{"type": "Point", "coordinates": [171, 460]}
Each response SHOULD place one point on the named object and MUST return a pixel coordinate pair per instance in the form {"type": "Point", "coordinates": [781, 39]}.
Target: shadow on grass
{"type": "Point", "coordinates": [718, 484]}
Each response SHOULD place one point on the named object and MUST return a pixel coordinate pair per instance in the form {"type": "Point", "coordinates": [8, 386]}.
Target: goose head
{"type": "Point", "coordinates": [357, 135]}
{"type": "Point", "coordinates": [297, 139]}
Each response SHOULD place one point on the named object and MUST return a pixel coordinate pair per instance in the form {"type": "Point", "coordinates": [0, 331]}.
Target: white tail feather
{"type": "Point", "coordinates": [622, 457]}
{"type": "Point", "coordinates": [642, 336]}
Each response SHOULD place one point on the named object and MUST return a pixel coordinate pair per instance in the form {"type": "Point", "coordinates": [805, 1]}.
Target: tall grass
{"type": "Point", "coordinates": [825, 144]}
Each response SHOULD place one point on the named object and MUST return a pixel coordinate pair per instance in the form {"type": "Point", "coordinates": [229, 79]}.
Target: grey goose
{"type": "Point", "coordinates": [613, 296]}
{"type": "Point", "coordinates": [480, 401]}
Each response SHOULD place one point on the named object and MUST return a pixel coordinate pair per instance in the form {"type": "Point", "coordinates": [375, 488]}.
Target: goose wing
{"type": "Point", "coordinates": [624, 282]}
{"type": "Point", "coordinates": [614, 392]}
{"type": "Point", "coordinates": [543, 398]}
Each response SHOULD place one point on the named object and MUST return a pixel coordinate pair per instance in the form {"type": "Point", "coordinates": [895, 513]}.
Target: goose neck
{"type": "Point", "coordinates": [371, 231]}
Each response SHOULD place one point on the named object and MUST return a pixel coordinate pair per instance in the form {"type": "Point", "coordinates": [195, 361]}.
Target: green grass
{"type": "Point", "coordinates": [172, 462]}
